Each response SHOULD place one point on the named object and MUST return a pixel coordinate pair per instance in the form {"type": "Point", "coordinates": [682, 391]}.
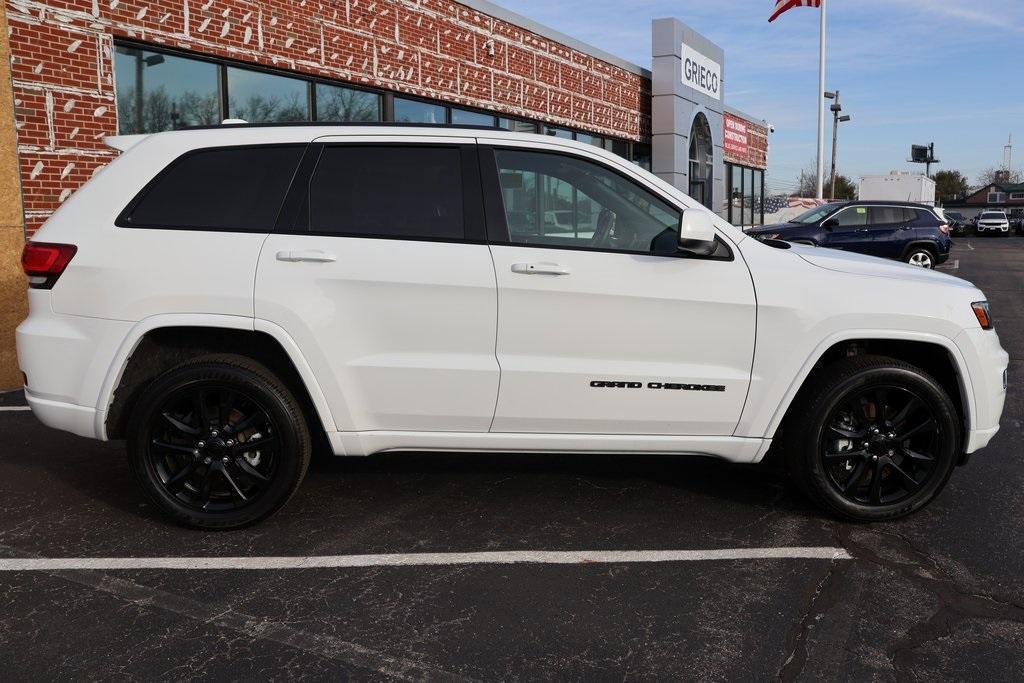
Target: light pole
{"type": "Point", "coordinates": [836, 120]}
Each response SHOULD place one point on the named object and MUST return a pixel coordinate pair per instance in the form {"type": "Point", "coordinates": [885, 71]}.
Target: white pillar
{"type": "Point", "coordinates": [820, 101]}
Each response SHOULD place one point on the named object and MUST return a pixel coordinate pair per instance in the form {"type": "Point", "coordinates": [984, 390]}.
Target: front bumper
{"type": "Point", "coordinates": [986, 366]}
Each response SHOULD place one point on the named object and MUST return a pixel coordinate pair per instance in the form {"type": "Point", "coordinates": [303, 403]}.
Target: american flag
{"type": "Point", "coordinates": [778, 202]}
{"type": "Point", "coordinates": [786, 5]}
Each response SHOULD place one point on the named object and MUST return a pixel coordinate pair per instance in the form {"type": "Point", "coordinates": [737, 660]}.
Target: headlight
{"type": "Point", "coordinates": [772, 236]}
{"type": "Point", "coordinates": [982, 314]}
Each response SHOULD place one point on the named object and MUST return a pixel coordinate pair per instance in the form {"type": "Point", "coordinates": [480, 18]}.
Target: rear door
{"type": "Point", "coordinates": [380, 273]}
{"type": "Point", "coordinates": [892, 230]}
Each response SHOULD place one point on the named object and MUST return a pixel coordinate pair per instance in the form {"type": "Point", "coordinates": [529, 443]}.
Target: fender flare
{"type": "Point", "coordinates": [231, 322]}
{"type": "Point", "coordinates": [963, 376]}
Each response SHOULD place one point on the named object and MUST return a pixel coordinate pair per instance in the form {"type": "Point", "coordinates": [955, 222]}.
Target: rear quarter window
{"type": "Point", "coordinates": [237, 189]}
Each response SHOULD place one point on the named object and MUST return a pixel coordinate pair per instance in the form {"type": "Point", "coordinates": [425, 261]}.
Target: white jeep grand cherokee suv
{"type": "Point", "coordinates": [222, 298]}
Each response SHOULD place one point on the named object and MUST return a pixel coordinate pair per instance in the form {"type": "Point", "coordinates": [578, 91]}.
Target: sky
{"type": "Point", "coordinates": [909, 72]}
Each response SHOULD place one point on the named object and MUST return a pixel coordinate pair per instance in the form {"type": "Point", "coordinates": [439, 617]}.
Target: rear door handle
{"type": "Point", "coordinates": [311, 255]}
{"type": "Point", "coordinates": [539, 269]}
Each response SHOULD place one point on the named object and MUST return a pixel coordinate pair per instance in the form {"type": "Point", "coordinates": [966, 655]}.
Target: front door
{"type": "Point", "coordinates": [595, 334]}
{"type": "Point", "coordinates": [850, 230]}
{"type": "Point", "coordinates": [382, 278]}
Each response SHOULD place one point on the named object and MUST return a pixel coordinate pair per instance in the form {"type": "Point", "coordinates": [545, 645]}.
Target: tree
{"type": "Point", "coordinates": [950, 185]}
{"type": "Point", "coordinates": [807, 186]}
{"type": "Point", "coordinates": [845, 188]}
{"type": "Point", "coordinates": [995, 175]}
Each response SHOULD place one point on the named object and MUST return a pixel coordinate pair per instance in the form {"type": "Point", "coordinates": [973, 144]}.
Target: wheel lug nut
{"type": "Point", "coordinates": [213, 432]}
{"type": "Point", "coordinates": [195, 451]}
{"type": "Point", "coordinates": [201, 444]}
{"type": "Point", "coordinates": [890, 453]}
{"type": "Point", "coordinates": [224, 459]}
{"type": "Point", "coordinates": [874, 457]}
{"type": "Point", "coordinates": [206, 461]}
{"type": "Point", "coordinates": [229, 442]}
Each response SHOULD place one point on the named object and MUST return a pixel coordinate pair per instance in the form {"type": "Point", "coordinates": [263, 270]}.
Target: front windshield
{"type": "Point", "coordinates": [815, 214]}
{"type": "Point", "coordinates": [993, 216]}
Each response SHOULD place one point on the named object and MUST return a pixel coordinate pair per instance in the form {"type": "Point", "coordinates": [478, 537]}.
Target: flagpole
{"type": "Point", "coordinates": [819, 99]}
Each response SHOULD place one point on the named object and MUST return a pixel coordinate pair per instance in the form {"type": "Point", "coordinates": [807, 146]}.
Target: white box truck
{"type": "Point", "coordinates": [902, 186]}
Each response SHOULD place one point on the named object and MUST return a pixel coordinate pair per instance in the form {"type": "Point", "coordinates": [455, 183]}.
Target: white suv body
{"type": "Point", "coordinates": [993, 221]}
{"type": "Point", "coordinates": [485, 340]}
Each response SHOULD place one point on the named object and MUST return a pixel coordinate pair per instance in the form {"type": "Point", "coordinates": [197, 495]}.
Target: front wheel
{"type": "Point", "coordinates": [922, 258]}
{"type": "Point", "coordinates": [876, 439]}
{"type": "Point", "coordinates": [218, 443]}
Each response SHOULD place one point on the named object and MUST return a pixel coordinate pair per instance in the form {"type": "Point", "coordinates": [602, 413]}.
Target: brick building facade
{"type": "Point", "coordinates": [64, 78]}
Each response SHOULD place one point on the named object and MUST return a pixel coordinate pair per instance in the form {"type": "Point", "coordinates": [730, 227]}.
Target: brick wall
{"type": "Point", "coordinates": [62, 66]}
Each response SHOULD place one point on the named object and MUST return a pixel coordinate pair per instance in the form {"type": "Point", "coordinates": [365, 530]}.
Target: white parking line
{"type": "Point", "coordinates": [11, 409]}
{"type": "Point", "coordinates": [421, 559]}
{"type": "Point", "coordinates": [955, 265]}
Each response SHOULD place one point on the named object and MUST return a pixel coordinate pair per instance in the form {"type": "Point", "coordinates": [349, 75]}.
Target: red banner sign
{"type": "Point", "coordinates": [735, 136]}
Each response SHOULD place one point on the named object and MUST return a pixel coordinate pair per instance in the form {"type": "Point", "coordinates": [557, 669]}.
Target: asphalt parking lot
{"type": "Point", "coordinates": [938, 596]}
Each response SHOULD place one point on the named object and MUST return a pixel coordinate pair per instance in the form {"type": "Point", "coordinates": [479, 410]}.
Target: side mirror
{"type": "Point", "coordinates": [696, 233]}
{"type": "Point", "coordinates": [830, 223]}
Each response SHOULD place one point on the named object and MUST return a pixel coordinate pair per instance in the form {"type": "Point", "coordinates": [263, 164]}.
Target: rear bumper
{"type": "Point", "coordinates": [69, 417]}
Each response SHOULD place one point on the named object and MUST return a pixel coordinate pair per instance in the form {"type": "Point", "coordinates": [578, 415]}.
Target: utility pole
{"type": "Point", "coordinates": [836, 120]}
{"type": "Point", "coordinates": [821, 108]}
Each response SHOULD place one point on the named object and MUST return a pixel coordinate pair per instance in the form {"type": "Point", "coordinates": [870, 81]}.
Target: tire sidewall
{"type": "Point", "coordinates": [949, 438]}
{"type": "Point", "coordinates": [921, 250]}
{"type": "Point", "coordinates": [290, 466]}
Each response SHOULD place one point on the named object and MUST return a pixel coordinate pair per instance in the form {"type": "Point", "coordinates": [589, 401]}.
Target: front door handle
{"type": "Point", "coordinates": [539, 269]}
{"type": "Point", "coordinates": [906, 227]}
{"type": "Point", "coordinates": [311, 255]}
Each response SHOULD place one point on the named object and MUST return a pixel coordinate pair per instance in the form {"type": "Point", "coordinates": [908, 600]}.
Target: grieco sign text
{"type": "Point", "coordinates": [701, 73]}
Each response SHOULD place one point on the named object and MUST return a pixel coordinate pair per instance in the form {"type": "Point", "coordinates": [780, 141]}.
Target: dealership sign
{"type": "Point", "coordinates": [701, 73]}
{"type": "Point", "coordinates": [735, 136]}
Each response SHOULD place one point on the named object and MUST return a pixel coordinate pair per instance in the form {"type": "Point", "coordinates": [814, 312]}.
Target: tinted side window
{"type": "Point", "coordinates": [388, 191]}
{"type": "Point", "coordinates": [887, 215]}
{"type": "Point", "coordinates": [852, 217]}
{"type": "Point", "coordinates": [237, 189]}
{"type": "Point", "coordinates": [558, 200]}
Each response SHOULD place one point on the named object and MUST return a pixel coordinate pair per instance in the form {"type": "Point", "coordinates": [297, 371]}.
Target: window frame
{"type": "Point", "coordinates": [294, 216]}
{"type": "Point", "coordinates": [497, 223]}
{"type": "Point", "coordinates": [123, 219]}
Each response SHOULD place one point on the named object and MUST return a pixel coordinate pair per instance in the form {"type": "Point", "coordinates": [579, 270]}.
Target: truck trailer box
{"type": "Point", "coordinates": [900, 186]}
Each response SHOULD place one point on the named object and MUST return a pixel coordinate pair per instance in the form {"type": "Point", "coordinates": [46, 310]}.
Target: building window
{"type": "Point", "coordinates": [334, 103]}
{"type": "Point", "coordinates": [745, 206]}
{"type": "Point", "coordinates": [466, 117]}
{"type": "Point", "coordinates": [1016, 196]}
{"type": "Point", "coordinates": [259, 97]}
{"type": "Point", "coordinates": [163, 90]}
{"type": "Point", "coordinates": [996, 197]}
{"type": "Point", "coordinates": [418, 111]}
{"type": "Point", "coordinates": [157, 91]}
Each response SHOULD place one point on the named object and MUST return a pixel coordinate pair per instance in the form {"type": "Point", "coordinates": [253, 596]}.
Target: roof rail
{"type": "Point", "coordinates": [233, 123]}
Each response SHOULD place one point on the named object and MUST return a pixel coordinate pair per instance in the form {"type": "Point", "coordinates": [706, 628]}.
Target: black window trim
{"type": "Point", "coordinates": [497, 223]}
{"type": "Point", "coordinates": [294, 218]}
{"type": "Point", "coordinates": [124, 220]}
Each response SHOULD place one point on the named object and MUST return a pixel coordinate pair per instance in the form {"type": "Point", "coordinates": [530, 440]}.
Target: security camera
{"type": "Point", "coordinates": [771, 128]}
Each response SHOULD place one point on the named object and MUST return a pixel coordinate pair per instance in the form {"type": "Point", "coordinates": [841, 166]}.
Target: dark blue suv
{"type": "Point", "coordinates": [911, 233]}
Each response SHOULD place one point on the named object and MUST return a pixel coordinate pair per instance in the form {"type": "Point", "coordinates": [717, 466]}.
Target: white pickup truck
{"type": "Point", "coordinates": [221, 298]}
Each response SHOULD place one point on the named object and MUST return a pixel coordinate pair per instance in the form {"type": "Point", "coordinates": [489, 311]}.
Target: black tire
{"type": "Point", "coordinates": [824, 442]}
{"type": "Point", "coordinates": [229, 482]}
{"type": "Point", "coordinates": [920, 256]}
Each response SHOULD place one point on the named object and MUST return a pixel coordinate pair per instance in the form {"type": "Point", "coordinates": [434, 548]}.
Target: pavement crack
{"type": "Point", "coordinates": [825, 596]}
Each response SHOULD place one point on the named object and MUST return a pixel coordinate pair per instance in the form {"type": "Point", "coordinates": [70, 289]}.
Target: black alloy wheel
{"type": "Point", "coordinates": [218, 443]}
{"type": "Point", "coordinates": [872, 438]}
{"type": "Point", "coordinates": [879, 447]}
{"type": "Point", "coordinates": [213, 448]}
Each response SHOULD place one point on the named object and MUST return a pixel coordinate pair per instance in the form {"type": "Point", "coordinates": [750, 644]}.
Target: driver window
{"type": "Point", "coordinates": [853, 217]}
{"type": "Point", "coordinates": [553, 199]}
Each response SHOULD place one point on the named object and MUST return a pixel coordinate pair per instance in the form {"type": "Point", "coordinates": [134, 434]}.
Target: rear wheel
{"type": "Point", "coordinates": [921, 257]}
{"type": "Point", "coordinates": [218, 443]}
{"type": "Point", "coordinates": [877, 439]}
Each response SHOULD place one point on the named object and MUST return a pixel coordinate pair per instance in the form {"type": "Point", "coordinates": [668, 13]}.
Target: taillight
{"type": "Point", "coordinates": [944, 228]}
{"type": "Point", "coordinates": [44, 262]}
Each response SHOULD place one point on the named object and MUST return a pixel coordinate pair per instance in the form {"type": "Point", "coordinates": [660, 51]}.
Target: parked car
{"type": "Point", "coordinates": [908, 232]}
{"type": "Point", "coordinates": [221, 331]}
{"type": "Point", "coordinates": [1016, 218]}
{"type": "Point", "coordinates": [993, 222]}
{"type": "Point", "coordinates": [958, 224]}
